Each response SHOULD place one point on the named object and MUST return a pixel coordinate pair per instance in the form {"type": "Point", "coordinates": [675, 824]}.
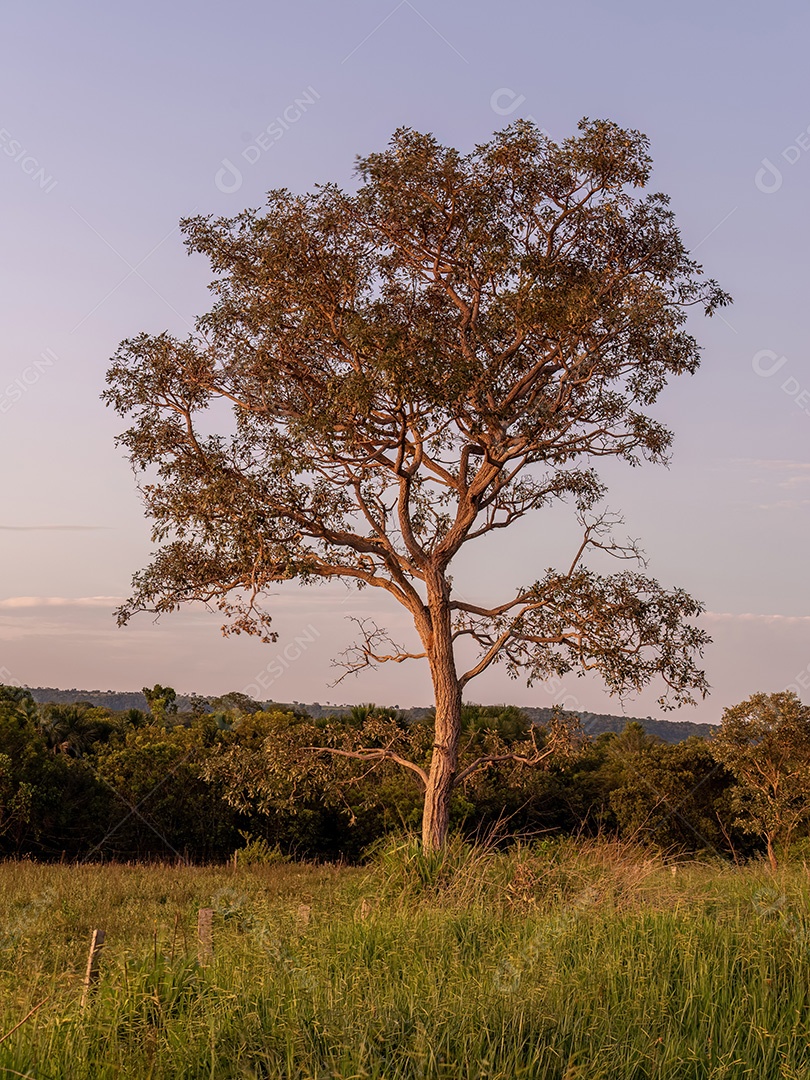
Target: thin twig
{"type": "Point", "coordinates": [26, 1017]}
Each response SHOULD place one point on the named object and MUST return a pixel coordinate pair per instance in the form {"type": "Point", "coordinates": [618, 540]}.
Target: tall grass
{"type": "Point", "coordinates": [555, 961]}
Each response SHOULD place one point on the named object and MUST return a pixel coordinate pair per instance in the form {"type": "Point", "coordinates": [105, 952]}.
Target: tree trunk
{"type": "Point", "coordinates": [447, 730]}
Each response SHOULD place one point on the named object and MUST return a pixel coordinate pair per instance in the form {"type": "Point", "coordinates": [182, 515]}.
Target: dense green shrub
{"type": "Point", "coordinates": [80, 782]}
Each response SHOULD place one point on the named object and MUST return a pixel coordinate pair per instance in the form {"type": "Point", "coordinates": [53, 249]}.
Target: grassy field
{"type": "Point", "coordinates": [558, 961]}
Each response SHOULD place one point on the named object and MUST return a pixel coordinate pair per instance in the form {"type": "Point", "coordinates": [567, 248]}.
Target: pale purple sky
{"type": "Point", "coordinates": [117, 120]}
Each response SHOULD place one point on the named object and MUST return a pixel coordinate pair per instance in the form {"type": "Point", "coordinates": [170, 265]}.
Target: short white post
{"type": "Point", "coordinates": [205, 935]}
{"type": "Point", "coordinates": [91, 974]}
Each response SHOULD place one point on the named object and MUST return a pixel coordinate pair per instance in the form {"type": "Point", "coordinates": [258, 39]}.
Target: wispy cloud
{"type": "Point", "coordinates": [52, 528]}
{"type": "Point", "coordinates": [772, 463]}
{"type": "Point", "coordinates": [782, 472]}
{"type": "Point", "coordinates": [17, 602]}
{"type": "Point", "coordinates": [784, 504]}
{"type": "Point", "coordinates": [747, 616]}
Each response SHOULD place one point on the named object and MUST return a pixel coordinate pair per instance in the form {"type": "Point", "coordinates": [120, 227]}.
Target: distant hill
{"type": "Point", "coordinates": [114, 700]}
{"type": "Point", "coordinates": [671, 731]}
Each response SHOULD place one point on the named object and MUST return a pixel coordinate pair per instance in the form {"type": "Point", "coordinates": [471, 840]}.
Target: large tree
{"type": "Point", "coordinates": [409, 367]}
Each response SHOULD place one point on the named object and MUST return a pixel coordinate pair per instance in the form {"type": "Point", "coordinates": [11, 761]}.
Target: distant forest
{"type": "Point", "coordinates": [95, 776]}
{"type": "Point", "coordinates": [670, 731]}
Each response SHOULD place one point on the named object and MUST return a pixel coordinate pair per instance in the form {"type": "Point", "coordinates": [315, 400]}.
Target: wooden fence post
{"type": "Point", "coordinates": [91, 975]}
{"type": "Point", "coordinates": [304, 914]}
{"type": "Point", "coordinates": [205, 935]}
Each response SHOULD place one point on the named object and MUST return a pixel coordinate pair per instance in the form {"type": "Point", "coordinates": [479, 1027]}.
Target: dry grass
{"type": "Point", "coordinates": [560, 960]}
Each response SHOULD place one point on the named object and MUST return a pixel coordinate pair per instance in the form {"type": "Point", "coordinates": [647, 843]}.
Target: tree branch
{"type": "Point", "coordinates": [373, 754]}
{"type": "Point", "coordinates": [364, 653]}
{"type": "Point", "coordinates": [564, 739]}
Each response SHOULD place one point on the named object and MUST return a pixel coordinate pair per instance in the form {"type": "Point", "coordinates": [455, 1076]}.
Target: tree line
{"type": "Point", "coordinates": [226, 777]}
